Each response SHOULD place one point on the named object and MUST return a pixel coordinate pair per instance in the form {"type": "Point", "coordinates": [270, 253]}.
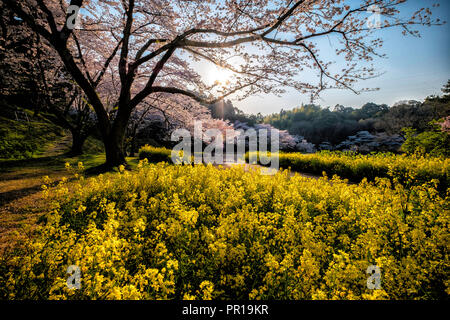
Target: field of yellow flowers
{"type": "Point", "coordinates": [199, 232]}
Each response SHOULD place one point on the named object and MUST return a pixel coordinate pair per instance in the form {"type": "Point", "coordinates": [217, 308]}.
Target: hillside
{"type": "Point", "coordinates": [23, 134]}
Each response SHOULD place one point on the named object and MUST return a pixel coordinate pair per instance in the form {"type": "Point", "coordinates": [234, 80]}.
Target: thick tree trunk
{"type": "Point", "coordinates": [114, 140]}
{"type": "Point", "coordinates": [77, 143]}
{"type": "Point", "coordinates": [115, 155]}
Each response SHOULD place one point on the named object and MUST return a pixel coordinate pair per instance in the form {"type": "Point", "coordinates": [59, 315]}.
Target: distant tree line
{"type": "Point", "coordinates": [319, 124]}
{"type": "Point", "coordinates": [333, 125]}
{"type": "Point", "coordinates": [225, 110]}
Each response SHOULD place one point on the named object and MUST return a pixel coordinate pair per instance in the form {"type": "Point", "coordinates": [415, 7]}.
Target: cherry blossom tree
{"type": "Point", "coordinates": [64, 99]}
{"type": "Point", "coordinates": [32, 74]}
{"type": "Point", "coordinates": [138, 48]}
{"type": "Point", "coordinates": [162, 114]}
{"type": "Point", "coordinates": [445, 124]}
{"type": "Point", "coordinates": [16, 58]}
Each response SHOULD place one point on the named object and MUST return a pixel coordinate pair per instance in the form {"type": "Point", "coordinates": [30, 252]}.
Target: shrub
{"type": "Point", "coordinates": [166, 231]}
{"type": "Point", "coordinates": [155, 154]}
{"type": "Point", "coordinates": [435, 143]}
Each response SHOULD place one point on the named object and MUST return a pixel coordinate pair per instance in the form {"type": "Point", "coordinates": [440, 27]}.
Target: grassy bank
{"type": "Point", "coordinates": [25, 139]}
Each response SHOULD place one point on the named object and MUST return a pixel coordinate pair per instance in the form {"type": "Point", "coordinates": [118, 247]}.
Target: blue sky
{"type": "Point", "coordinates": [413, 69]}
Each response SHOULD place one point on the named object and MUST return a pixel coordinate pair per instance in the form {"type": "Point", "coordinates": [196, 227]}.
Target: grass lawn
{"type": "Point", "coordinates": [21, 200]}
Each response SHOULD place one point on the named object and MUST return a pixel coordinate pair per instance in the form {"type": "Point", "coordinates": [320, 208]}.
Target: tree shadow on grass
{"type": "Point", "coordinates": [17, 169]}
{"type": "Point", "coordinates": [10, 196]}
{"type": "Point", "coordinates": [24, 172]}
